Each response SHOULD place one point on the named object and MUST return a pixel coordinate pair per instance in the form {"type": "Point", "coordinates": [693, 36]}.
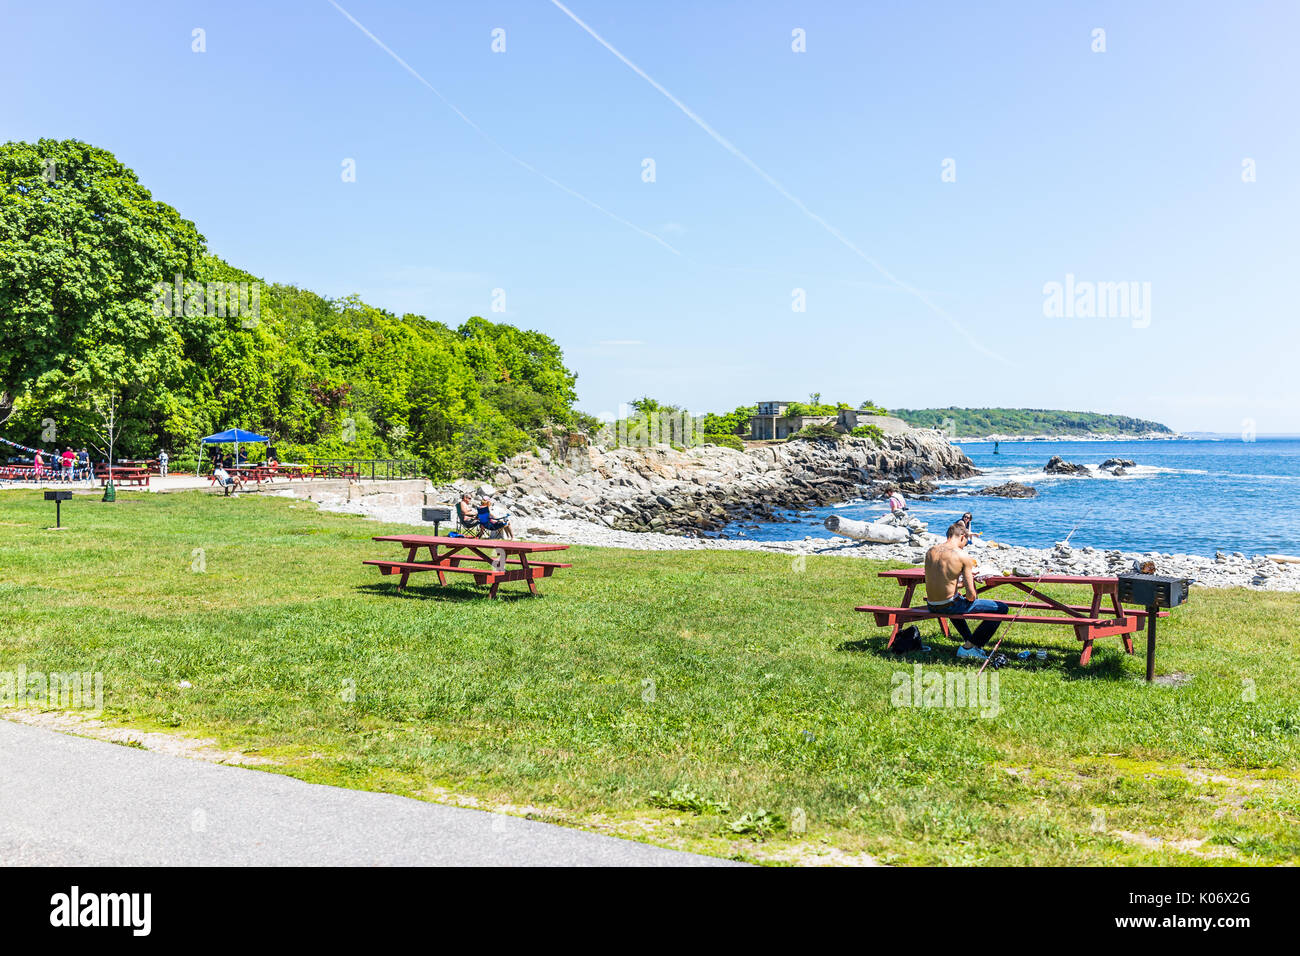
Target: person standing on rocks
{"type": "Point", "coordinates": [947, 568]}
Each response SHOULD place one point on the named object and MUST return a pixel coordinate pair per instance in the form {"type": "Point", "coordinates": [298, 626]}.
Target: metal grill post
{"type": "Point", "coordinates": [1151, 642]}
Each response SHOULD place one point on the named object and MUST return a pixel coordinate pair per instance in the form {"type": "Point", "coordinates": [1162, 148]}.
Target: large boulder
{"type": "Point", "coordinates": [1057, 466]}
{"type": "Point", "coordinates": [1011, 489]}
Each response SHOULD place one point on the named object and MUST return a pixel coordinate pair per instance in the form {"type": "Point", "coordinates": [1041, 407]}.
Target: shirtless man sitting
{"type": "Point", "coordinates": [947, 568]}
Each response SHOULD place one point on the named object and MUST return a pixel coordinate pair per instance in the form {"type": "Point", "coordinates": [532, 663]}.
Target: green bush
{"type": "Point", "coordinates": [726, 441]}
{"type": "Point", "coordinates": [869, 431]}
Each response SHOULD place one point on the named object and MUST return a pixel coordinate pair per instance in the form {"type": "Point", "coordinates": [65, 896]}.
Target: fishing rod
{"type": "Point", "coordinates": [1037, 581]}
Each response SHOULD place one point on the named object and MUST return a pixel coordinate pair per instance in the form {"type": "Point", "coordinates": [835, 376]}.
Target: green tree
{"type": "Point", "coordinates": [82, 245]}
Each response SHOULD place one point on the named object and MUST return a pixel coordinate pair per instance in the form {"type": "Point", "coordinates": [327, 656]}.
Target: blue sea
{"type": "Point", "coordinates": [1189, 496]}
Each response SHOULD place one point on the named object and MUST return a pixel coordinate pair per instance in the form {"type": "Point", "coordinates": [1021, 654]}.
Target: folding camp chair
{"type": "Point", "coordinates": [471, 530]}
{"type": "Point", "coordinates": [484, 516]}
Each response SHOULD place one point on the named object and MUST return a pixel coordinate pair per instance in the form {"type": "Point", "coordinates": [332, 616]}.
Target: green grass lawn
{"type": "Point", "coordinates": [725, 702]}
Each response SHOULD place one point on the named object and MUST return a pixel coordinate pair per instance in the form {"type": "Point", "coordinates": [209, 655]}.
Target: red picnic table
{"type": "Point", "coordinates": [128, 475]}
{"type": "Point", "coordinates": [1089, 621]}
{"type": "Point", "coordinates": [508, 560]}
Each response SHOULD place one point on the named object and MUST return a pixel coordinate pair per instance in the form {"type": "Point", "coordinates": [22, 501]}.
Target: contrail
{"type": "Point", "coordinates": [775, 184]}
{"type": "Point", "coordinates": [478, 129]}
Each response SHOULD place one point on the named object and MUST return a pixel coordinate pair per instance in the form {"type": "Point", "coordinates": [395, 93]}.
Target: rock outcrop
{"type": "Point", "coordinates": [703, 489]}
{"type": "Point", "coordinates": [1011, 489]}
{"type": "Point", "coordinates": [1057, 466]}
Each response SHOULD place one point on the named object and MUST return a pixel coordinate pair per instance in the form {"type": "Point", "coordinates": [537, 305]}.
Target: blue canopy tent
{"type": "Point", "coordinates": [236, 436]}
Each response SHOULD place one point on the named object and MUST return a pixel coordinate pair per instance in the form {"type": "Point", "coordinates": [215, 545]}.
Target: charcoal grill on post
{"type": "Point", "coordinates": [436, 515]}
{"type": "Point", "coordinates": [58, 497]}
{"type": "Point", "coordinates": [1153, 591]}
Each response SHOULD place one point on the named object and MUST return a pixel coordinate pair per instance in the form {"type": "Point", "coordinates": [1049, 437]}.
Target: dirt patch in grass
{"type": "Point", "coordinates": [1192, 846]}
{"type": "Point", "coordinates": [174, 744]}
{"type": "Point", "coordinates": [660, 829]}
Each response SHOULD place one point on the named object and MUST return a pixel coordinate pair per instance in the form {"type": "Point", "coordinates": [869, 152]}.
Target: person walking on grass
{"type": "Point", "coordinates": [948, 568]}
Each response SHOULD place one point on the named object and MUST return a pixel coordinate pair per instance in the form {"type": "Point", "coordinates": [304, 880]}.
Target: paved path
{"type": "Point", "coordinates": [70, 801]}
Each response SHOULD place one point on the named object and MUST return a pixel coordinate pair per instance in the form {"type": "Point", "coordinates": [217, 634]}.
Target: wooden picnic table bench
{"type": "Point", "coordinates": [243, 475]}
{"type": "Point", "coordinates": [1090, 621]}
{"type": "Point", "coordinates": [254, 473]}
{"type": "Point", "coordinates": [148, 464]}
{"type": "Point", "coordinates": [336, 471]}
{"type": "Point", "coordinates": [289, 472]}
{"type": "Point", "coordinates": [508, 560]}
{"type": "Point", "coordinates": [130, 476]}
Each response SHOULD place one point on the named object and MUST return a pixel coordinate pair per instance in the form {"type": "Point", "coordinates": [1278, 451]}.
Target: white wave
{"type": "Point", "coordinates": [1037, 476]}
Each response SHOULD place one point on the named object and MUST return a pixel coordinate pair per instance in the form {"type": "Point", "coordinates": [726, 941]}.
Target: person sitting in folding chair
{"type": "Point", "coordinates": [493, 527]}
{"type": "Point", "coordinates": [228, 481]}
{"type": "Point", "coordinates": [467, 522]}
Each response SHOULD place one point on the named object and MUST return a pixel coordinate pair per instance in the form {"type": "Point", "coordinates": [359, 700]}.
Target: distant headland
{"type": "Point", "coordinates": [1027, 424]}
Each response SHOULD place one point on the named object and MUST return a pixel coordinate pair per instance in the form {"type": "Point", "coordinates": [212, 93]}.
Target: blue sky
{"type": "Point", "coordinates": [1117, 166]}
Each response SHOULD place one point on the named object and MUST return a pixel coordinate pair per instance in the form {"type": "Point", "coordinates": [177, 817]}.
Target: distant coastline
{"type": "Point", "coordinates": [1034, 424]}
{"type": "Point", "coordinates": [1150, 436]}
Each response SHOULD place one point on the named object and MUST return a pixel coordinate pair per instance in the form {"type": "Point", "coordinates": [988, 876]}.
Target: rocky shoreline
{"type": "Point", "coordinates": [701, 490]}
{"type": "Point", "coordinates": [666, 499]}
{"type": "Point", "coordinates": [1226, 571]}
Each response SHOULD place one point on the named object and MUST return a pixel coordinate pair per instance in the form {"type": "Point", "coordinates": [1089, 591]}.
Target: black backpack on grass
{"type": "Point", "coordinates": [908, 640]}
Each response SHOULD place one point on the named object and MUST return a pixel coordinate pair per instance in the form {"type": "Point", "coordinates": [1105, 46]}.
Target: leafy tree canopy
{"type": "Point", "coordinates": [89, 263]}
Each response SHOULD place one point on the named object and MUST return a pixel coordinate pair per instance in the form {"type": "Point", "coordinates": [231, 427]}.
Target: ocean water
{"type": "Point", "coordinates": [1193, 496]}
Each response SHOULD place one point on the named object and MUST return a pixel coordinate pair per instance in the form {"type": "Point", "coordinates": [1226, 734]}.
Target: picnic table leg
{"type": "Point", "coordinates": [410, 556]}
{"type": "Point", "coordinates": [532, 584]}
{"type": "Point", "coordinates": [1084, 632]}
{"type": "Point", "coordinates": [943, 626]}
{"type": "Point", "coordinates": [896, 624]}
{"type": "Point", "coordinates": [1119, 612]}
{"type": "Point", "coordinates": [433, 559]}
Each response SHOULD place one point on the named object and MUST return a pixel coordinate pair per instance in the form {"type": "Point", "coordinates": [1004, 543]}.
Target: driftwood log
{"type": "Point", "coordinates": [878, 532]}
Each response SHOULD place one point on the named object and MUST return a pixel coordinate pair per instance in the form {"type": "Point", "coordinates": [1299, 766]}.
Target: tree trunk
{"type": "Point", "coordinates": [878, 532]}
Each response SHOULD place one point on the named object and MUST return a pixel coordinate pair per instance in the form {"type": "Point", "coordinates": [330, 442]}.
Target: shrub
{"type": "Point", "coordinates": [820, 432]}
{"type": "Point", "coordinates": [726, 441]}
